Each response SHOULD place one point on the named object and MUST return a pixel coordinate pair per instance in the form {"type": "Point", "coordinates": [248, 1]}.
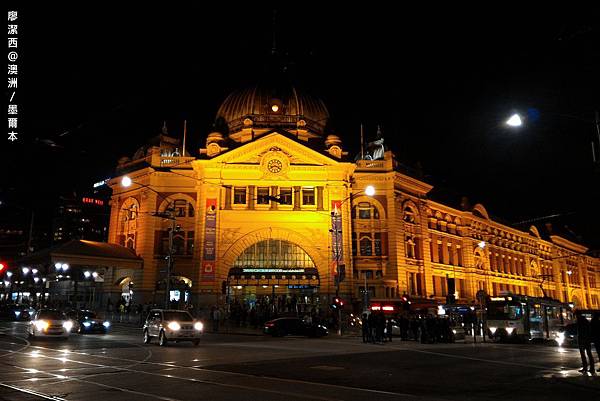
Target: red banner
{"type": "Point", "coordinates": [336, 236]}
{"type": "Point", "coordinates": [209, 252]}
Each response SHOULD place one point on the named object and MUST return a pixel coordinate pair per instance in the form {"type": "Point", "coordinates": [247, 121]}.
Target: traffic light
{"type": "Point", "coordinates": [2, 267]}
{"type": "Point", "coordinates": [405, 303]}
{"type": "Point", "coordinates": [337, 303]}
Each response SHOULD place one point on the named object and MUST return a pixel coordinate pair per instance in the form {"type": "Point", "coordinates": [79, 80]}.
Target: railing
{"type": "Point", "coordinates": [375, 164]}
{"type": "Point", "coordinates": [172, 161]}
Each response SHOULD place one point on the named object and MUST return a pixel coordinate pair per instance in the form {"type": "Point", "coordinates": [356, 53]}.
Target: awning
{"type": "Point", "coordinates": [85, 253]}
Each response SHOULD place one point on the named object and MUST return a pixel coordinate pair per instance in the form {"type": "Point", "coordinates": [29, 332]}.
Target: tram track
{"type": "Point", "coordinates": [33, 392]}
{"type": "Point", "coordinates": [125, 368]}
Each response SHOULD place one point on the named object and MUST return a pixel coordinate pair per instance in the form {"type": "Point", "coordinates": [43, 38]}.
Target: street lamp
{"type": "Point", "coordinates": [336, 230]}
{"type": "Point", "coordinates": [169, 214]}
{"type": "Point", "coordinates": [516, 121]}
{"type": "Point", "coordinates": [61, 266]}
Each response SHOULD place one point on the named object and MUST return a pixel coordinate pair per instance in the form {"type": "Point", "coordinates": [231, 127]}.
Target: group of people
{"type": "Point", "coordinates": [253, 314]}
{"type": "Point", "coordinates": [376, 328]}
{"type": "Point", "coordinates": [588, 332]}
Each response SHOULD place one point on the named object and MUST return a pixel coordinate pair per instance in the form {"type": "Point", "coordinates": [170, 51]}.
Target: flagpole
{"type": "Point", "coordinates": [184, 135]}
{"type": "Point", "coordinates": [362, 144]}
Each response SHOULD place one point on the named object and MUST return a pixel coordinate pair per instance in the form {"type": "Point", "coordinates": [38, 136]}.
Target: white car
{"type": "Point", "coordinates": [172, 325]}
{"type": "Point", "coordinates": [50, 323]}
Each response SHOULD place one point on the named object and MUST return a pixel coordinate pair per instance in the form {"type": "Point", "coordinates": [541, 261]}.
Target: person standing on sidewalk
{"type": "Point", "coordinates": [365, 328]}
{"type": "Point", "coordinates": [388, 329]}
{"type": "Point", "coordinates": [584, 339]}
{"type": "Point", "coordinates": [595, 327]}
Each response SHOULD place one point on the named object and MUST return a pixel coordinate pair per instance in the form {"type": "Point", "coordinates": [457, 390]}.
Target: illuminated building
{"type": "Point", "coordinates": [254, 219]}
{"type": "Point", "coordinates": [80, 217]}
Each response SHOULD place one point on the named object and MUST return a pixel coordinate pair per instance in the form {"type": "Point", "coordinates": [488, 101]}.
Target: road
{"type": "Point", "coordinates": [118, 366]}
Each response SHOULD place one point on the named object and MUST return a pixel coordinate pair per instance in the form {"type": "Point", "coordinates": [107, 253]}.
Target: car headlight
{"type": "Point", "coordinates": [174, 326]}
{"type": "Point", "coordinates": [454, 331]}
{"type": "Point", "coordinates": [560, 338]}
{"type": "Point", "coordinates": [509, 330]}
{"type": "Point", "coordinates": [68, 325]}
{"type": "Point", "coordinates": [106, 324]}
{"type": "Point", "coordinates": [198, 326]}
{"type": "Point", "coordinates": [493, 329]}
{"type": "Point", "coordinates": [86, 324]}
{"type": "Point", "coordinates": [17, 313]}
{"type": "Point", "coordinates": [41, 325]}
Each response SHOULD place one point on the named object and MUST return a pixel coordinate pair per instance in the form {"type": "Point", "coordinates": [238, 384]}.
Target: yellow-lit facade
{"type": "Point", "coordinates": [254, 218]}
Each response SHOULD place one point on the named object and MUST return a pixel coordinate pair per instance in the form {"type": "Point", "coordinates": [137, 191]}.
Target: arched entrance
{"type": "Point", "coordinates": [125, 284]}
{"type": "Point", "coordinates": [275, 274]}
{"type": "Point", "coordinates": [180, 291]}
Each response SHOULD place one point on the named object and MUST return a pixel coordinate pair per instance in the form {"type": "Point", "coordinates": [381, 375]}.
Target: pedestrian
{"type": "Point", "coordinates": [595, 327]}
{"type": "Point", "coordinates": [366, 330]}
{"type": "Point", "coordinates": [121, 311]}
{"type": "Point", "coordinates": [109, 309]}
{"type": "Point", "coordinates": [371, 322]}
{"type": "Point", "coordinates": [584, 339]}
{"type": "Point", "coordinates": [140, 312]}
{"type": "Point", "coordinates": [380, 331]}
{"type": "Point", "coordinates": [388, 328]}
{"type": "Point", "coordinates": [215, 316]}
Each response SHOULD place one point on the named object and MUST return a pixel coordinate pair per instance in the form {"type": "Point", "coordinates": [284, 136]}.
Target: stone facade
{"type": "Point", "coordinates": [281, 184]}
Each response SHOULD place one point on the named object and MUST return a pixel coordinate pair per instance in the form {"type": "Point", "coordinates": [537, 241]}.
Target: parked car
{"type": "Point", "coordinates": [19, 313]}
{"type": "Point", "coordinates": [294, 326]}
{"type": "Point", "coordinates": [50, 323]}
{"type": "Point", "coordinates": [87, 321]}
{"type": "Point", "coordinates": [172, 325]}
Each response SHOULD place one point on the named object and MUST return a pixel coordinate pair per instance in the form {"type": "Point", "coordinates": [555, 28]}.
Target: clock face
{"type": "Point", "coordinates": [274, 165]}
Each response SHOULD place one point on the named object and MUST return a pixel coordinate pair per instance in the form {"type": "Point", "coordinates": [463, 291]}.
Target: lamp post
{"type": "Point", "coordinates": [336, 230]}
{"type": "Point", "coordinates": [168, 214]}
{"type": "Point", "coordinates": [516, 120]}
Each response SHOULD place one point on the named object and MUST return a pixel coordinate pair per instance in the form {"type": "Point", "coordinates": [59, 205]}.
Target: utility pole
{"type": "Point", "coordinates": [169, 214]}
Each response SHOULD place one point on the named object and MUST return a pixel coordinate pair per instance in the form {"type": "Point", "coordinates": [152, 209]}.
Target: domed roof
{"type": "Point", "coordinates": [272, 106]}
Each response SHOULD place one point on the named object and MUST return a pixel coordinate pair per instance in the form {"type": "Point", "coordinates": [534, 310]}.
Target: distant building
{"type": "Point", "coordinates": [81, 217]}
{"type": "Point", "coordinates": [275, 207]}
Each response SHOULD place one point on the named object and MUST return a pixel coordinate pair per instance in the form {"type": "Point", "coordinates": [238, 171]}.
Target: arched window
{"type": "Point", "coordinates": [410, 248]}
{"type": "Point", "coordinates": [183, 238]}
{"type": "Point", "coordinates": [409, 215]}
{"type": "Point", "coordinates": [127, 230]}
{"type": "Point", "coordinates": [365, 211]}
{"type": "Point", "coordinates": [274, 253]}
{"type": "Point", "coordinates": [366, 246]}
{"type": "Point", "coordinates": [183, 208]}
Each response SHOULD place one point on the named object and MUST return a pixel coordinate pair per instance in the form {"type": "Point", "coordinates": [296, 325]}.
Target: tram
{"type": "Point", "coordinates": [526, 318]}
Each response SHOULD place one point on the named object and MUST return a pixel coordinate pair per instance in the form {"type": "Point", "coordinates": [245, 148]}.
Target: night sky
{"type": "Point", "coordinates": [98, 81]}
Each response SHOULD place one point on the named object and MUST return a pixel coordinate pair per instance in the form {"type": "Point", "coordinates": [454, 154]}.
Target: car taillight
{"type": "Point", "coordinates": [269, 324]}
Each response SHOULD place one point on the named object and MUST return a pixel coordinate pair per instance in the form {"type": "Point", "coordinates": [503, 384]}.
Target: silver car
{"type": "Point", "coordinates": [172, 325]}
{"type": "Point", "coordinates": [50, 323]}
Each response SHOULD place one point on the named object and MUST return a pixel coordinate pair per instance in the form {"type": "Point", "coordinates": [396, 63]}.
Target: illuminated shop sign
{"type": "Point", "coordinates": [387, 308]}
{"type": "Point", "coordinates": [273, 270]}
{"type": "Point", "coordinates": [93, 201]}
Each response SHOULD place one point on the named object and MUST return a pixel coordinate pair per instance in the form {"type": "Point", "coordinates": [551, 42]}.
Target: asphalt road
{"type": "Point", "coordinates": [118, 366]}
